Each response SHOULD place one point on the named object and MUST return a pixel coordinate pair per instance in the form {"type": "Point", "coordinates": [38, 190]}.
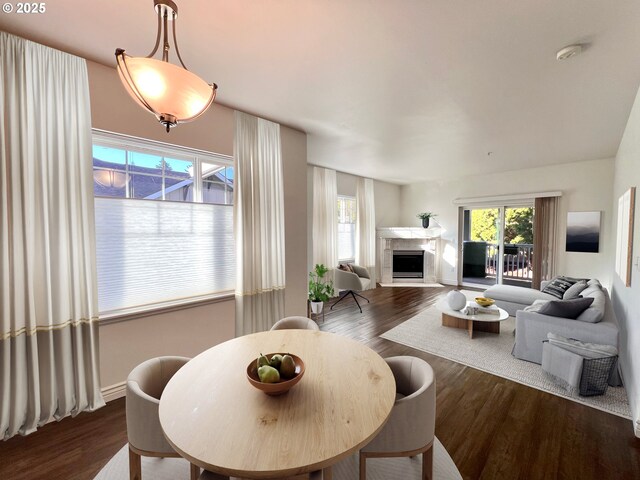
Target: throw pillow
{"type": "Point", "coordinates": [536, 306]}
{"type": "Point", "coordinates": [558, 286]}
{"type": "Point", "coordinates": [343, 267]}
{"type": "Point", "coordinates": [574, 290]}
{"type": "Point", "coordinates": [566, 308]}
{"type": "Point", "coordinates": [595, 312]}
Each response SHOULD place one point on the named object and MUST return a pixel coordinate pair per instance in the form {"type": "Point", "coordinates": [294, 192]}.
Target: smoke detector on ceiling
{"type": "Point", "coordinates": [568, 52]}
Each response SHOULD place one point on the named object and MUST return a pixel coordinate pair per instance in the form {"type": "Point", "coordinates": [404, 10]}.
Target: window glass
{"type": "Point", "coordinates": [346, 228]}
{"type": "Point", "coordinates": [149, 251]}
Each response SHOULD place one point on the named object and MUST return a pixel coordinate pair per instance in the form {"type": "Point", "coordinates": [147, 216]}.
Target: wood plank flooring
{"type": "Point", "coordinates": [493, 428]}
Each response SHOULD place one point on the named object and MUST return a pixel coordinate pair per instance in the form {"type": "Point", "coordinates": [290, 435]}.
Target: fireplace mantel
{"type": "Point", "coordinates": [407, 238]}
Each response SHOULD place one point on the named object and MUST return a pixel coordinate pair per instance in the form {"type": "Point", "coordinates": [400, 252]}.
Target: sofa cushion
{"type": "Point", "coordinates": [536, 306]}
{"type": "Point", "coordinates": [595, 312]}
{"type": "Point", "coordinates": [509, 293]}
{"type": "Point", "coordinates": [566, 308]}
{"type": "Point", "coordinates": [574, 290]}
{"type": "Point", "coordinates": [558, 286]}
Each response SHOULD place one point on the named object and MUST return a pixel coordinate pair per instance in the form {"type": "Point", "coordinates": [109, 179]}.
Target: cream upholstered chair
{"type": "Point", "coordinates": [352, 282]}
{"type": "Point", "coordinates": [144, 388]}
{"type": "Point", "coordinates": [297, 323]}
{"type": "Point", "coordinates": [317, 475]}
{"type": "Point", "coordinates": [411, 426]}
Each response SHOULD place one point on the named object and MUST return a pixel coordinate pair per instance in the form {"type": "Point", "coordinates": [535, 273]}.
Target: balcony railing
{"type": "Point", "coordinates": [517, 260]}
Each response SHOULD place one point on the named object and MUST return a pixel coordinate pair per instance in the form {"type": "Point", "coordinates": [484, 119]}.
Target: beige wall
{"type": "Point", "coordinates": [626, 300]}
{"type": "Point", "coordinates": [190, 331]}
{"type": "Point", "coordinates": [585, 186]}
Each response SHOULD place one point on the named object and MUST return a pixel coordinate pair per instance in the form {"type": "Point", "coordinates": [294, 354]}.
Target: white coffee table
{"type": "Point", "coordinates": [479, 323]}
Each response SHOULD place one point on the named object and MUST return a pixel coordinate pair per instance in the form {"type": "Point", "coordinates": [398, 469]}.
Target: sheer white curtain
{"type": "Point", "coordinates": [545, 238]}
{"type": "Point", "coordinates": [259, 224]}
{"type": "Point", "coordinates": [366, 227]}
{"type": "Point", "coordinates": [48, 293]}
{"type": "Point", "coordinates": [325, 217]}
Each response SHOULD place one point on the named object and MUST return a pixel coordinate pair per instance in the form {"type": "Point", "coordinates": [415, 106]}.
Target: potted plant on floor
{"type": "Point", "coordinates": [425, 216]}
{"type": "Point", "coordinates": [319, 289]}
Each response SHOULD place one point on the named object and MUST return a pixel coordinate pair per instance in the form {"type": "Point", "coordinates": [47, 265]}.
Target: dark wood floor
{"type": "Point", "coordinates": [491, 427]}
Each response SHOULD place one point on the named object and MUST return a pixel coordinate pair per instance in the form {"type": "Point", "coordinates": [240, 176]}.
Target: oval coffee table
{"type": "Point", "coordinates": [215, 419]}
{"type": "Point", "coordinates": [482, 322]}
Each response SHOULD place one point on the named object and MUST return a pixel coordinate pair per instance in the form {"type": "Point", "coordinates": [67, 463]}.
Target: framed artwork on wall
{"type": "Point", "coordinates": [624, 238]}
{"type": "Point", "coordinates": [583, 232]}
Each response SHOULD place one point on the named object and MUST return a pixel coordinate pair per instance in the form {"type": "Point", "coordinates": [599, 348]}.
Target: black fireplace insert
{"type": "Point", "coordinates": [408, 264]}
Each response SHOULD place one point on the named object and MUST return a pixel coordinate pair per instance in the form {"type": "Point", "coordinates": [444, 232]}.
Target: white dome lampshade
{"type": "Point", "coordinates": [170, 92]}
{"type": "Point", "coordinates": [456, 300]}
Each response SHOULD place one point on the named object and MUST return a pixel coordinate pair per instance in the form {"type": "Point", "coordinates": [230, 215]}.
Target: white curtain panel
{"type": "Point", "coordinates": [48, 293]}
{"type": "Point", "coordinates": [258, 224]}
{"type": "Point", "coordinates": [366, 228]}
{"type": "Point", "coordinates": [325, 217]}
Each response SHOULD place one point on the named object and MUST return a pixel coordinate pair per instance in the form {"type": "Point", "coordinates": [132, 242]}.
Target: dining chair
{"type": "Point", "coordinates": [411, 426]}
{"type": "Point", "coordinates": [206, 475]}
{"type": "Point", "coordinates": [297, 323]}
{"type": "Point", "coordinates": [144, 388]}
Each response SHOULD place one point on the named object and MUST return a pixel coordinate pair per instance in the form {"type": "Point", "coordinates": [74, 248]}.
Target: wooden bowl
{"type": "Point", "coordinates": [485, 302]}
{"type": "Point", "coordinates": [280, 387]}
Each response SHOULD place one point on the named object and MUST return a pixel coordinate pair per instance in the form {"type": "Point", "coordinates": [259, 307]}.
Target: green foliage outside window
{"type": "Point", "coordinates": [518, 225]}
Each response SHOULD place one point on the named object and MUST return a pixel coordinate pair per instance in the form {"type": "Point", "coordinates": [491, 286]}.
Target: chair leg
{"type": "Point", "coordinates": [427, 464]}
{"type": "Point", "coordinates": [362, 296]}
{"type": "Point", "coordinates": [340, 299]}
{"type": "Point", "coordinates": [195, 472]}
{"type": "Point", "coordinates": [363, 467]}
{"type": "Point", "coordinates": [327, 473]}
{"type": "Point", "coordinates": [357, 303]}
{"type": "Point", "coordinates": [135, 466]}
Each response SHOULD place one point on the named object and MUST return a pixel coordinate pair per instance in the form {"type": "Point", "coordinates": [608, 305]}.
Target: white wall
{"type": "Point", "coordinates": [189, 331]}
{"type": "Point", "coordinates": [626, 300]}
{"type": "Point", "coordinates": [386, 197]}
{"type": "Point", "coordinates": [586, 186]}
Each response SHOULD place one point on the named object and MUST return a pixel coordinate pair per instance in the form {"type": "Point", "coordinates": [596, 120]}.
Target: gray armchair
{"type": "Point", "coordinates": [351, 282]}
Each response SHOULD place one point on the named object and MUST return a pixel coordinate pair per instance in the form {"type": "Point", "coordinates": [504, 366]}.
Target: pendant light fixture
{"type": "Point", "coordinates": [170, 92]}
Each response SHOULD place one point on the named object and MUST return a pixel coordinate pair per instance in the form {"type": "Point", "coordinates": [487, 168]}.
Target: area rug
{"type": "Point", "coordinates": [377, 468]}
{"type": "Point", "coordinates": [492, 353]}
{"type": "Point", "coordinates": [409, 284]}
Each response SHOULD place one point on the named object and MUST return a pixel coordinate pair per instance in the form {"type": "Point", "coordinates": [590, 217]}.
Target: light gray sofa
{"type": "Point", "coordinates": [532, 327]}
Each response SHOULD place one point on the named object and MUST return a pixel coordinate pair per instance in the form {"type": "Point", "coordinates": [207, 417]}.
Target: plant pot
{"type": "Point", "coordinates": [316, 307]}
{"type": "Point", "coordinates": [425, 223]}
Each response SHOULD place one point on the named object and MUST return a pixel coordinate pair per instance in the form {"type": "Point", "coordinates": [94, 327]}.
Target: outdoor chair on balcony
{"type": "Point", "coordinates": [357, 279]}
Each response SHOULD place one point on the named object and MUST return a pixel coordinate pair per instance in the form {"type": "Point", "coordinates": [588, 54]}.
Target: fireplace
{"type": "Point", "coordinates": [408, 263]}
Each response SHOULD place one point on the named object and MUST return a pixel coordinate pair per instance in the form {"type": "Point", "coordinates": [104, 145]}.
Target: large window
{"type": "Point", "coordinates": [164, 223]}
{"type": "Point", "coordinates": [346, 228]}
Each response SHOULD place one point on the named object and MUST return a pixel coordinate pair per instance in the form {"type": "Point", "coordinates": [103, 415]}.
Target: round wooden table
{"type": "Point", "coordinates": [482, 322]}
{"type": "Point", "coordinates": [214, 418]}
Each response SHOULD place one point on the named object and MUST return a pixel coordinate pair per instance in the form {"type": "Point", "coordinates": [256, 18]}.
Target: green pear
{"type": "Point", "coordinates": [275, 361]}
{"type": "Point", "coordinates": [268, 374]}
{"type": "Point", "coordinates": [262, 360]}
{"type": "Point", "coordinates": [287, 367]}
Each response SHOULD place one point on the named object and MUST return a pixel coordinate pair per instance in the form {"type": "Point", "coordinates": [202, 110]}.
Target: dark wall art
{"type": "Point", "coordinates": [583, 232]}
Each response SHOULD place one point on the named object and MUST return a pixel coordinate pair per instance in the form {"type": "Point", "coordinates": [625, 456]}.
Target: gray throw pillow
{"type": "Point", "coordinates": [566, 308]}
{"type": "Point", "coordinates": [595, 312]}
{"type": "Point", "coordinates": [574, 290]}
{"type": "Point", "coordinates": [558, 286]}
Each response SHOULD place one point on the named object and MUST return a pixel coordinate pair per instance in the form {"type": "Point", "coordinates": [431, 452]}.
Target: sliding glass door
{"type": "Point", "coordinates": [497, 245]}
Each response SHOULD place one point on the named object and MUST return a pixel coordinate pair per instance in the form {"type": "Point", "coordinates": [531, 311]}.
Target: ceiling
{"type": "Point", "coordinates": [403, 90]}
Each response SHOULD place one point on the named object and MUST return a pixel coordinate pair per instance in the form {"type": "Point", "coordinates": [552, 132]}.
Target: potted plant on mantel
{"type": "Point", "coordinates": [425, 216]}
{"type": "Point", "coordinates": [319, 289]}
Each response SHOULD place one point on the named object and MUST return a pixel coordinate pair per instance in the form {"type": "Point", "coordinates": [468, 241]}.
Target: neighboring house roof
{"type": "Point", "coordinates": [149, 185]}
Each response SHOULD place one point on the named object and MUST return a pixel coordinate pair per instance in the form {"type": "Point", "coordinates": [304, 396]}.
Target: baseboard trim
{"type": "Point", "coordinates": [115, 391]}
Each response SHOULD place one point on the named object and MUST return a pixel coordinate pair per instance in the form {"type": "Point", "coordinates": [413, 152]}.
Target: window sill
{"type": "Point", "coordinates": [166, 307]}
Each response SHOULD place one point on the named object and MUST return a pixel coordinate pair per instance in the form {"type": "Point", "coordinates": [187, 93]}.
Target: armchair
{"type": "Point", "coordinates": [357, 280]}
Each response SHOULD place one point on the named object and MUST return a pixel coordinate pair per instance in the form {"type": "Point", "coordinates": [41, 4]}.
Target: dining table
{"type": "Point", "coordinates": [216, 419]}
